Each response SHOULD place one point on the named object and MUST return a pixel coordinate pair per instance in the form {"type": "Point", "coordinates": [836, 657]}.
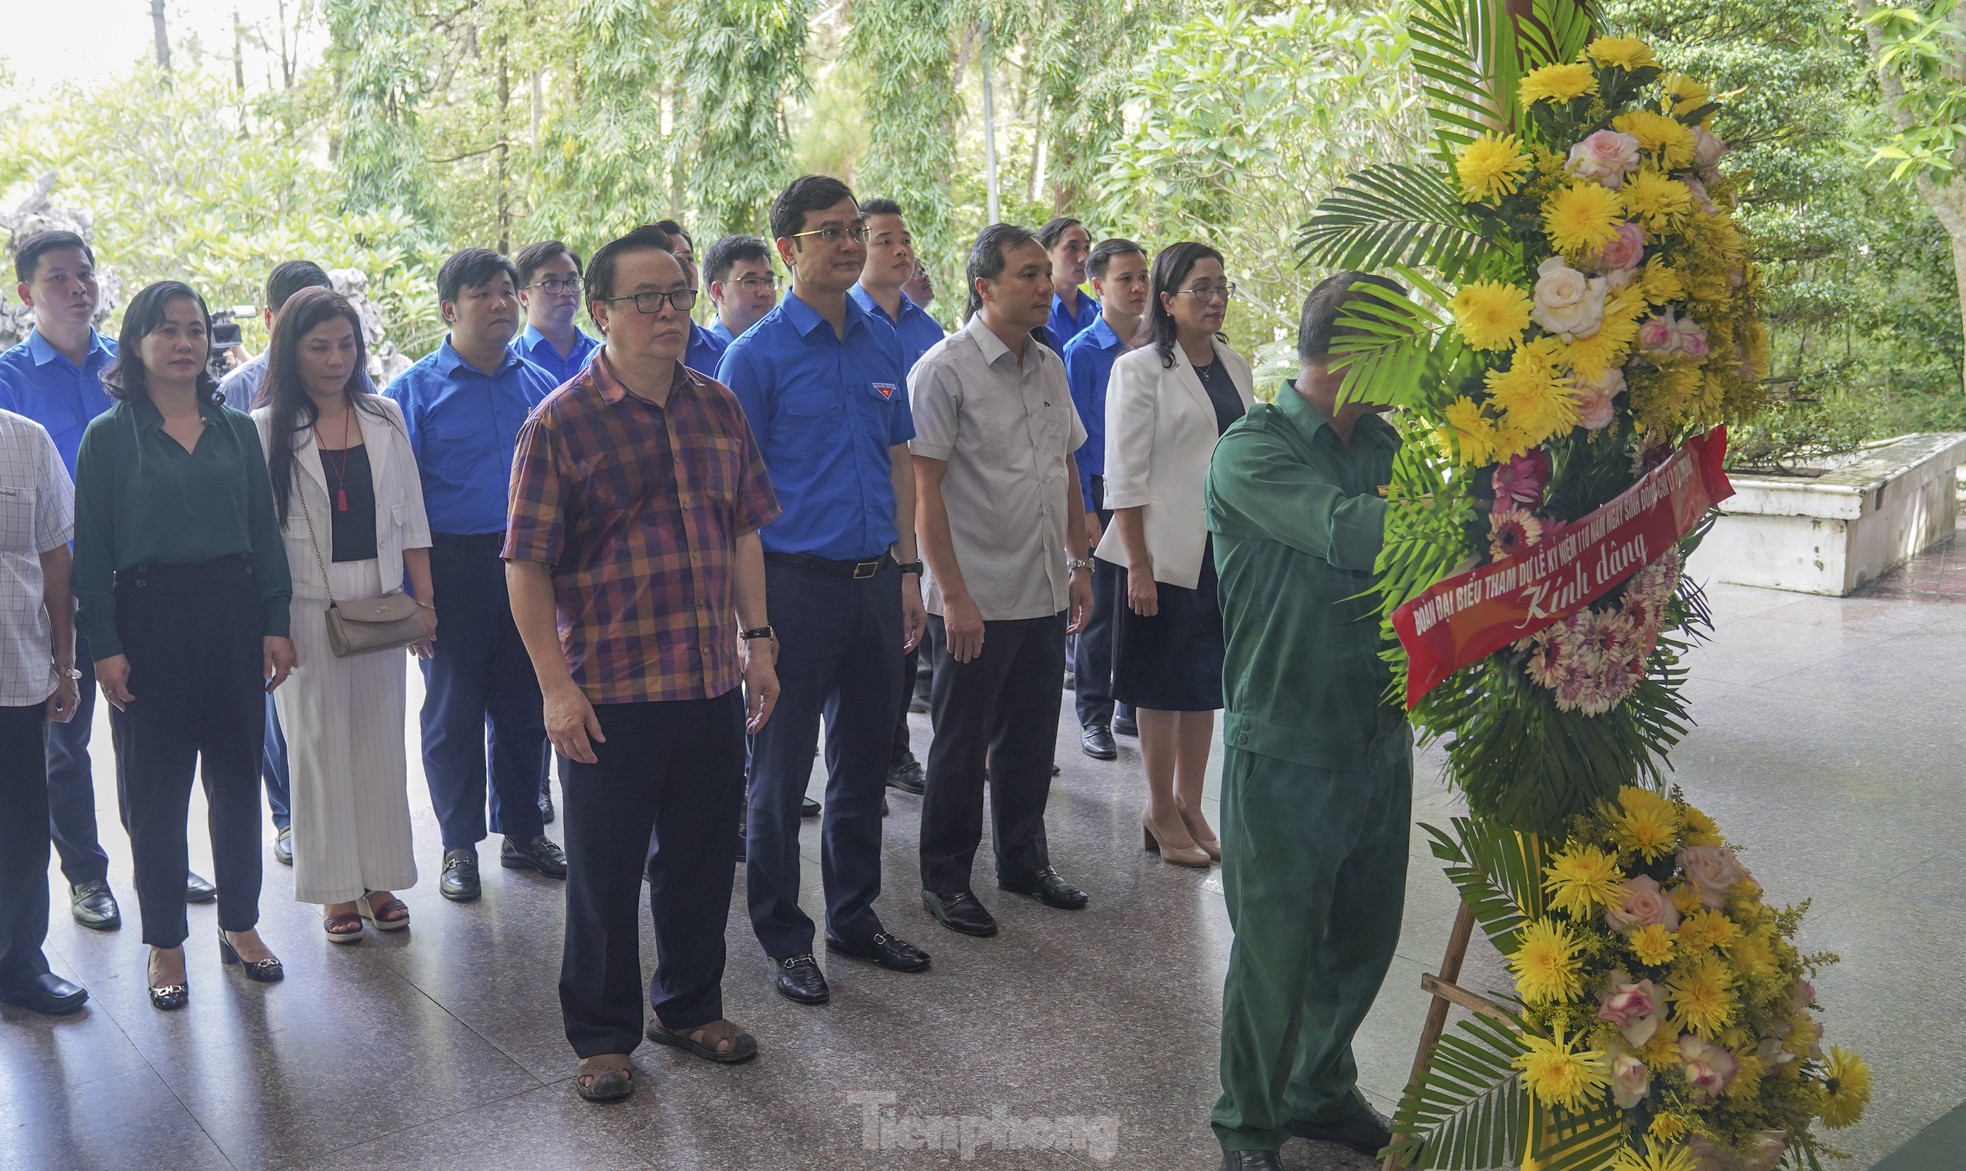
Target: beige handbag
{"type": "Point", "coordinates": [387, 623]}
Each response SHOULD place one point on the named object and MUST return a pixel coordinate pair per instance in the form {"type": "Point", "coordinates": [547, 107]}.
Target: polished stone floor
{"type": "Point", "coordinates": [1828, 743]}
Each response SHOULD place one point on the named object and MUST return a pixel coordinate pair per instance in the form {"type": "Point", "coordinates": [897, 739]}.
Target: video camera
{"type": "Point", "coordinates": [226, 337]}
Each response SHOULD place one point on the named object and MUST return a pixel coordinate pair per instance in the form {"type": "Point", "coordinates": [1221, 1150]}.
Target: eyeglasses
{"type": "Point", "coordinates": [752, 284]}
{"type": "Point", "coordinates": [833, 234]}
{"type": "Point", "coordinates": [1208, 292]}
{"type": "Point", "coordinates": [652, 303]}
{"type": "Point", "coordinates": [556, 288]}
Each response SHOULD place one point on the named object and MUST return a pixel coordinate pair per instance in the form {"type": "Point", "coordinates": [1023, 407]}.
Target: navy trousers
{"type": "Point", "coordinates": [71, 796]}
{"type": "Point", "coordinates": [480, 690]}
{"type": "Point", "coordinates": [840, 656]}
{"type": "Point", "coordinates": [23, 842]}
{"type": "Point", "coordinates": [1092, 667]}
{"type": "Point", "coordinates": [273, 770]}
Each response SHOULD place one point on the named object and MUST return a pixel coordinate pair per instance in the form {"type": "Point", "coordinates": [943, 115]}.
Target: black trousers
{"type": "Point", "coordinates": [72, 783]}
{"type": "Point", "coordinates": [664, 791]}
{"type": "Point", "coordinates": [193, 635]}
{"type": "Point", "coordinates": [998, 711]}
{"type": "Point", "coordinates": [24, 842]}
{"type": "Point", "coordinates": [1092, 666]}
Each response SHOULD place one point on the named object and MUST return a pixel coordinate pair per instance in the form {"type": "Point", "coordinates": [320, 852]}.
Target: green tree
{"type": "Point", "coordinates": [736, 64]}
{"type": "Point", "coordinates": [381, 52]}
{"type": "Point", "coordinates": [904, 53]}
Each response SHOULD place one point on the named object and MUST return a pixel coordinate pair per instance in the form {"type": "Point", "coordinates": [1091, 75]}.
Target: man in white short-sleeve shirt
{"type": "Point", "coordinates": [999, 515]}
{"type": "Point", "coordinates": [38, 683]}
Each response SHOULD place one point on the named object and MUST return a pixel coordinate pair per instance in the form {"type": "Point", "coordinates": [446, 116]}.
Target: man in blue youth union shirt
{"type": "Point", "coordinates": [549, 288]}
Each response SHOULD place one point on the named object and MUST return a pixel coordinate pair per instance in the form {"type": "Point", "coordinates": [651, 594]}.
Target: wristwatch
{"type": "Point", "coordinates": [914, 567]}
{"type": "Point", "coordinates": [70, 674]}
{"type": "Point", "coordinates": [757, 632]}
{"type": "Point", "coordinates": [1077, 563]}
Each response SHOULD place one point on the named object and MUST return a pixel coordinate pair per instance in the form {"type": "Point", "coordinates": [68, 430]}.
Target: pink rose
{"type": "Point", "coordinates": [1713, 870]}
{"type": "Point", "coordinates": [1597, 399]}
{"type": "Point", "coordinates": [1700, 195]}
{"type": "Point", "coordinates": [1568, 303]}
{"type": "Point", "coordinates": [1607, 157]}
{"type": "Point", "coordinates": [1655, 334]}
{"type": "Point", "coordinates": [1691, 337]}
{"type": "Point", "coordinates": [1633, 1008]}
{"type": "Point", "coordinates": [1706, 1156]}
{"type": "Point", "coordinates": [1707, 150]}
{"type": "Point", "coordinates": [1629, 1081]}
{"type": "Point", "coordinates": [1708, 1066]}
{"type": "Point", "coordinates": [1625, 253]}
{"type": "Point", "coordinates": [1645, 904]}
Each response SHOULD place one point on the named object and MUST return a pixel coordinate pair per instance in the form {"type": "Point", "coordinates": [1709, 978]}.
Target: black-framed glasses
{"type": "Point", "coordinates": [555, 288]}
{"type": "Point", "coordinates": [752, 284]}
{"type": "Point", "coordinates": [833, 234]}
{"type": "Point", "coordinates": [1206, 292]}
{"type": "Point", "coordinates": [651, 303]}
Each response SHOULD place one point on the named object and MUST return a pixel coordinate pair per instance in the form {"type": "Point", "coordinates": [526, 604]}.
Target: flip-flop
{"type": "Point", "coordinates": [743, 1046]}
{"type": "Point", "coordinates": [336, 928]}
{"type": "Point", "coordinates": [385, 917]}
{"type": "Point", "coordinates": [613, 1074]}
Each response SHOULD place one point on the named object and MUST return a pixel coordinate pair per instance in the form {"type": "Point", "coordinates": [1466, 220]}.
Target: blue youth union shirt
{"type": "Point", "coordinates": [824, 409]}
{"type": "Point", "coordinates": [36, 381]}
{"type": "Point", "coordinates": [463, 426]}
{"type": "Point", "coordinates": [533, 347]}
{"type": "Point", "coordinates": [917, 330]}
{"type": "Point", "coordinates": [1089, 359]}
{"type": "Point", "coordinates": [1065, 326]}
{"type": "Point", "coordinates": [706, 351]}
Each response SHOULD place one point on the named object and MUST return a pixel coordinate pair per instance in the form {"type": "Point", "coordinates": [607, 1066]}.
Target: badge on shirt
{"type": "Point", "coordinates": [885, 390]}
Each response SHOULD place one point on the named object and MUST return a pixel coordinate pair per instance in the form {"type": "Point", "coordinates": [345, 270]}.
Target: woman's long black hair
{"type": "Point", "coordinates": [292, 410]}
{"type": "Point", "coordinates": [1171, 266]}
{"type": "Point", "coordinates": [127, 380]}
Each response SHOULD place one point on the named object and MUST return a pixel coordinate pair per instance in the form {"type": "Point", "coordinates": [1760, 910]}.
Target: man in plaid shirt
{"type": "Point", "coordinates": [637, 580]}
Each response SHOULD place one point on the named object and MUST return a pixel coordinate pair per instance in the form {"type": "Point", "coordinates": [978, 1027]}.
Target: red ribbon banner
{"type": "Point", "coordinates": [1467, 617]}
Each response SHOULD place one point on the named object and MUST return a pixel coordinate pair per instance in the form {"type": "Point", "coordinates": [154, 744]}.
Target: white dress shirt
{"type": "Point", "coordinates": [37, 515]}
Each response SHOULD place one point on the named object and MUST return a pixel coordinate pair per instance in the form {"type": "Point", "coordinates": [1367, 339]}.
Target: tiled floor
{"type": "Point", "coordinates": [1828, 742]}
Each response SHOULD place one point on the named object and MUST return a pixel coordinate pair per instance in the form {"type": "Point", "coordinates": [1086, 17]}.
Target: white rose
{"type": "Point", "coordinates": [1567, 302]}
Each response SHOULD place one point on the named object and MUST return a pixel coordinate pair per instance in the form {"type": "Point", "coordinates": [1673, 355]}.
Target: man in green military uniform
{"type": "Point", "coordinates": [1317, 776]}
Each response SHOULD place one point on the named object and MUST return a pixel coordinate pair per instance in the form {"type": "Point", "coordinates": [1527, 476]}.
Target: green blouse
{"type": "Point", "coordinates": [141, 498]}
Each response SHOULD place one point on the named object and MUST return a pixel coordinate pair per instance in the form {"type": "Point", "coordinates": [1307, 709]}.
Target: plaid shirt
{"type": "Point", "coordinates": [636, 509]}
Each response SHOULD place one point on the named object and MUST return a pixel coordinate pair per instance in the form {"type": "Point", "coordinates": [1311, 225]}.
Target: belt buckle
{"type": "Point", "coordinates": [862, 570]}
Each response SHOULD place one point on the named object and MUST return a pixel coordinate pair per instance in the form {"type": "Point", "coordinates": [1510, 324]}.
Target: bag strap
{"type": "Point", "coordinates": [300, 490]}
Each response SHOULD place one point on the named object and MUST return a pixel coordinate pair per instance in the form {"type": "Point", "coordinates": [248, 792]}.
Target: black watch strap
{"type": "Point", "coordinates": [914, 567]}
{"type": "Point", "coordinates": [758, 632]}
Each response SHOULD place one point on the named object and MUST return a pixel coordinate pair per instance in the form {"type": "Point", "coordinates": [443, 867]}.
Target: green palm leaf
{"type": "Point", "coordinates": [1555, 31]}
{"type": "Point", "coordinates": [1393, 215]}
{"type": "Point", "coordinates": [1468, 1110]}
{"type": "Point", "coordinates": [1465, 54]}
{"type": "Point", "coordinates": [1587, 1139]}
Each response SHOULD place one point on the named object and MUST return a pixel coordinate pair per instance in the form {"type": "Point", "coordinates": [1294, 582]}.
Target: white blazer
{"type": "Point", "coordinates": [399, 519]}
{"type": "Point", "coordinates": [1160, 432]}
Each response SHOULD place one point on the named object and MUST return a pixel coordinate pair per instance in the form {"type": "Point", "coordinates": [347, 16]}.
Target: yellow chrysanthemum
{"type": "Point", "coordinates": [1658, 1156]}
{"type": "Point", "coordinates": [1707, 928]}
{"type": "Point", "coordinates": [1652, 944]}
{"type": "Point", "coordinates": [1582, 217]}
{"type": "Point", "coordinates": [1660, 282]}
{"type": "Point", "coordinates": [1685, 897]}
{"type": "Point", "coordinates": [1607, 349]}
{"type": "Point", "coordinates": [1556, 83]}
{"type": "Point", "coordinates": [1746, 1084]}
{"type": "Point", "coordinates": [1491, 315]}
{"type": "Point", "coordinates": [1670, 138]}
{"type": "Point", "coordinates": [1667, 1126]}
{"type": "Point", "coordinates": [1581, 879]}
{"type": "Point", "coordinates": [1558, 1075]}
{"type": "Point", "coordinates": [1627, 53]}
{"type": "Point", "coordinates": [1469, 436]}
{"type": "Point", "coordinates": [1702, 993]}
{"type": "Point", "coordinates": [1846, 1089]}
{"type": "Point", "coordinates": [1645, 823]}
{"type": "Point", "coordinates": [1546, 964]}
{"type": "Point", "coordinates": [1661, 1054]}
{"type": "Point", "coordinates": [1753, 953]}
{"type": "Point", "coordinates": [1491, 167]}
{"type": "Point", "coordinates": [1658, 202]}
{"type": "Point", "coordinates": [1804, 1034]}
{"type": "Point", "coordinates": [1686, 94]}
{"type": "Point", "coordinates": [1535, 402]}
{"type": "Point", "coordinates": [1701, 830]}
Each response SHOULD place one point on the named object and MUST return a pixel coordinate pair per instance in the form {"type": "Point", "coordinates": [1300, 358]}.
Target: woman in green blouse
{"type": "Point", "coordinates": [183, 591]}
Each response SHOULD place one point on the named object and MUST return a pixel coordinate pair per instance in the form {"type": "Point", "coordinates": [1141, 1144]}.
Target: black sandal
{"type": "Point", "coordinates": [613, 1078]}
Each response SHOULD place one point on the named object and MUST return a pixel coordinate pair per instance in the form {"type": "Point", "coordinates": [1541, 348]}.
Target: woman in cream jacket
{"type": "Point", "coordinates": [1167, 404]}
{"type": "Point", "coordinates": [350, 505]}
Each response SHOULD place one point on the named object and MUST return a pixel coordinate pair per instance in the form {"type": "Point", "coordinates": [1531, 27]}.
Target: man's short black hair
{"type": "Point", "coordinates": [532, 257]}
{"type": "Point", "coordinates": [29, 250]}
{"type": "Point", "coordinates": [727, 251]}
{"type": "Point", "coordinates": [598, 284]}
{"type": "Point", "coordinates": [1049, 234]}
{"type": "Point", "coordinates": [290, 277]}
{"type": "Point", "coordinates": [676, 229]}
{"type": "Point", "coordinates": [989, 256]}
{"type": "Point", "coordinates": [1104, 251]}
{"type": "Point", "coordinates": [806, 193]}
{"type": "Point", "coordinates": [873, 207]}
{"type": "Point", "coordinates": [1317, 325]}
{"type": "Point", "coordinates": [471, 267]}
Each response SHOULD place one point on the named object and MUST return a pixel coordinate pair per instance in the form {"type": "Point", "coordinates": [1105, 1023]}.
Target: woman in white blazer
{"type": "Point", "coordinates": [350, 505]}
{"type": "Point", "coordinates": [1167, 404]}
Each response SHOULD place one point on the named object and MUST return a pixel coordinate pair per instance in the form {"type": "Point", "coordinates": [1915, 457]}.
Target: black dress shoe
{"type": "Point", "coordinates": [1125, 726]}
{"type": "Point", "coordinates": [460, 881]}
{"type": "Point", "coordinates": [540, 854]}
{"type": "Point", "coordinates": [959, 911]}
{"type": "Point", "coordinates": [283, 845]}
{"type": "Point", "coordinates": [908, 776]}
{"type": "Point", "coordinates": [889, 951]}
{"type": "Point", "coordinates": [546, 806]}
{"type": "Point", "coordinates": [197, 890]}
{"type": "Point", "coordinates": [1097, 740]}
{"type": "Point", "coordinates": [919, 705]}
{"type": "Point", "coordinates": [94, 906]}
{"type": "Point", "coordinates": [799, 979]}
{"type": "Point", "coordinates": [46, 993]}
{"type": "Point", "coordinates": [1364, 1131]}
{"type": "Point", "coordinates": [808, 808]}
{"type": "Point", "coordinates": [1251, 1161]}
{"type": "Point", "coordinates": [1049, 889]}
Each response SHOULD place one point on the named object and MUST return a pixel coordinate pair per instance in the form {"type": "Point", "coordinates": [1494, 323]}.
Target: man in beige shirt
{"type": "Point", "coordinates": [999, 517]}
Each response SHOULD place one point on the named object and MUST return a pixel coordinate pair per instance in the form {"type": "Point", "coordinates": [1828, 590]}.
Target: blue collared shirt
{"type": "Point", "coordinates": [241, 387]}
{"type": "Point", "coordinates": [534, 347]}
{"type": "Point", "coordinates": [825, 410]}
{"type": "Point", "coordinates": [37, 381]}
{"type": "Point", "coordinates": [720, 332]}
{"type": "Point", "coordinates": [1089, 359]}
{"type": "Point", "coordinates": [1065, 326]}
{"type": "Point", "coordinates": [463, 426]}
{"type": "Point", "coordinates": [917, 330]}
{"type": "Point", "coordinates": [706, 350]}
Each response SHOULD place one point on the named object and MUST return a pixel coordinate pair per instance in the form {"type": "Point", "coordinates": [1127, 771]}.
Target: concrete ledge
{"type": "Point", "coordinates": [1836, 530]}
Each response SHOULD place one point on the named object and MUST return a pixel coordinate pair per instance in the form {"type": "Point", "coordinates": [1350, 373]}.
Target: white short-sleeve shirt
{"type": "Point", "coordinates": [1007, 433]}
{"type": "Point", "coordinates": [37, 515]}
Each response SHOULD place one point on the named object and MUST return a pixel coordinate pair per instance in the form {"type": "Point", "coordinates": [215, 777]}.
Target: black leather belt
{"type": "Point", "coordinates": [857, 570]}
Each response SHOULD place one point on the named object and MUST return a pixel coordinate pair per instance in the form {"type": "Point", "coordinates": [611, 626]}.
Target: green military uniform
{"type": "Point", "coordinates": [1317, 779]}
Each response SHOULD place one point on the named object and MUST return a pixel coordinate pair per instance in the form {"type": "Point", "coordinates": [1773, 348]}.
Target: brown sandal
{"type": "Point", "coordinates": [702, 1040]}
{"type": "Point", "coordinates": [611, 1078]}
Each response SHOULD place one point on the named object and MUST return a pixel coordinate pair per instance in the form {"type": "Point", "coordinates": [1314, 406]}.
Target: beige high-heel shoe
{"type": "Point", "coordinates": [1189, 855]}
{"type": "Point", "coordinates": [1209, 843]}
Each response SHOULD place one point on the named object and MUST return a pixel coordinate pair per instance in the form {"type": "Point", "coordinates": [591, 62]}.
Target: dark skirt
{"type": "Point", "coordinates": [1171, 662]}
